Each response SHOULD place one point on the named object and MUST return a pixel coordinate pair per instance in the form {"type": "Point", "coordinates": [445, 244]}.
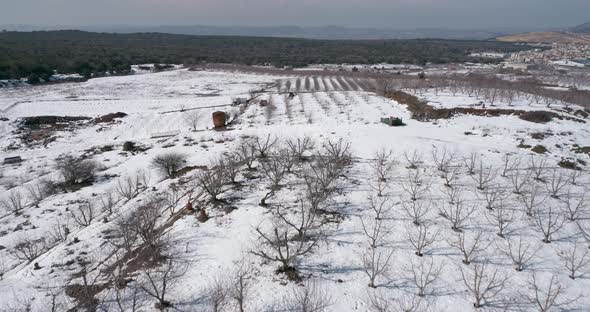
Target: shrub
{"type": "Point", "coordinates": [539, 149]}
{"type": "Point", "coordinates": [537, 116]}
{"type": "Point", "coordinates": [76, 170]}
{"type": "Point", "coordinates": [169, 163]}
{"type": "Point", "coordinates": [129, 146]}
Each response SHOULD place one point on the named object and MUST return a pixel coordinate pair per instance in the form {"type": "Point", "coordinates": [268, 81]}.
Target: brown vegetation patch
{"type": "Point", "coordinates": [540, 135]}
{"type": "Point", "coordinates": [538, 116]}
{"type": "Point", "coordinates": [85, 295]}
{"type": "Point", "coordinates": [522, 145]}
{"type": "Point", "coordinates": [422, 111]}
{"type": "Point", "coordinates": [539, 149]}
{"type": "Point", "coordinates": [188, 169]}
{"type": "Point", "coordinates": [582, 150]}
{"type": "Point", "coordinates": [109, 117]}
{"type": "Point", "coordinates": [49, 120]}
{"type": "Point", "coordinates": [548, 37]}
{"type": "Point", "coordinates": [568, 164]}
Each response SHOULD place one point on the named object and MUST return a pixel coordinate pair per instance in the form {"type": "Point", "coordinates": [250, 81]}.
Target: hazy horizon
{"type": "Point", "coordinates": [397, 14]}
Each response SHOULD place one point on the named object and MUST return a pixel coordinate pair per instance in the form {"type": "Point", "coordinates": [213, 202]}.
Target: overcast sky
{"type": "Point", "coordinates": [467, 14]}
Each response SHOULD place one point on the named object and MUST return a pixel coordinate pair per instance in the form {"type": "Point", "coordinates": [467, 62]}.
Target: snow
{"type": "Point", "coordinates": [158, 102]}
{"type": "Point", "coordinates": [494, 55]}
{"type": "Point", "coordinates": [567, 63]}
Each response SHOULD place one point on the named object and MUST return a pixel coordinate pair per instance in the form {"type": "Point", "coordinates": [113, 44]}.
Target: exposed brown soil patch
{"type": "Point", "coordinates": [422, 111]}
{"type": "Point", "coordinates": [109, 117]}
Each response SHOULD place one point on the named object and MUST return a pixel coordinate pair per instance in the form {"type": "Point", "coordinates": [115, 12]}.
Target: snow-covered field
{"type": "Point", "coordinates": [346, 231]}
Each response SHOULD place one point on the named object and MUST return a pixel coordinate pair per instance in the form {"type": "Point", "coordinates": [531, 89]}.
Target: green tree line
{"type": "Point", "coordinates": [35, 55]}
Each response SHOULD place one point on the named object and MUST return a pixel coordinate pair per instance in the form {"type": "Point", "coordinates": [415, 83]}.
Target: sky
{"type": "Point", "coordinates": [401, 14]}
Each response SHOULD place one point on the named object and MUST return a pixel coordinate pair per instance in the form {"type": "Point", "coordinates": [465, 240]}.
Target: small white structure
{"type": "Point", "coordinates": [516, 66]}
{"type": "Point", "coordinates": [567, 63]}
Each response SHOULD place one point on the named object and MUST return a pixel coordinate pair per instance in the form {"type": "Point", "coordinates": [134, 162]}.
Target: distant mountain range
{"type": "Point", "coordinates": [584, 28]}
{"type": "Point", "coordinates": [579, 35]}
{"type": "Point", "coordinates": [325, 32]}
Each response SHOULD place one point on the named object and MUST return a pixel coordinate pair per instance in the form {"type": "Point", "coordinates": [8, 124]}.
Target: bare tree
{"type": "Point", "coordinates": [420, 238]}
{"type": "Point", "coordinates": [84, 213]}
{"type": "Point", "coordinates": [417, 210]}
{"type": "Point", "coordinates": [443, 158]}
{"type": "Point", "coordinates": [230, 168]}
{"type": "Point", "coordinates": [502, 218]}
{"type": "Point", "coordinates": [86, 298]}
{"type": "Point", "coordinates": [520, 252]}
{"type": "Point", "coordinates": [413, 159]}
{"type": "Point", "coordinates": [584, 229]}
{"type": "Point", "coordinates": [376, 231]}
{"type": "Point", "coordinates": [157, 282]}
{"type": "Point", "coordinates": [324, 173]}
{"type": "Point", "coordinates": [538, 166]}
{"type": "Point", "coordinates": [531, 200]}
{"type": "Point", "coordinates": [143, 223]}
{"type": "Point", "coordinates": [575, 176]}
{"type": "Point", "coordinates": [484, 176]}
{"type": "Point", "coordinates": [27, 249]}
{"type": "Point", "coordinates": [38, 192]}
{"type": "Point", "coordinates": [380, 207]}
{"type": "Point", "coordinates": [218, 295]}
{"type": "Point", "coordinates": [482, 283]}
{"type": "Point", "coordinates": [274, 169]}
{"type": "Point", "coordinates": [519, 179]}
{"type": "Point", "coordinates": [383, 165]}
{"type": "Point", "coordinates": [133, 184]}
{"type": "Point", "coordinates": [318, 187]}
{"type": "Point", "coordinates": [550, 298]}
{"type": "Point", "coordinates": [281, 248]}
{"type": "Point", "coordinates": [457, 213]}
{"type": "Point", "coordinates": [424, 275]}
{"type": "Point", "coordinates": [263, 146]}
{"type": "Point", "coordinates": [304, 223]}
{"type": "Point", "coordinates": [212, 181]}
{"type": "Point", "coordinates": [14, 202]}
{"type": "Point", "coordinates": [470, 246]}
{"type": "Point", "coordinates": [375, 264]}
{"type": "Point", "coordinates": [246, 153]}
{"type": "Point", "coordinates": [172, 196]}
{"type": "Point", "coordinates": [338, 152]}
{"type": "Point", "coordinates": [124, 234]}
{"type": "Point", "coordinates": [241, 285]}
{"type": "Point", "coordinates": [491, 196]}
{"type": "Point", "coordinates": [547, 222]}
{"type": "Point", "coordinates": [508, 163]}
{"type": "Point", "coordinates": [75, 170]}
{"type": "Point", "coordinates": [470, 163]}
{"type": "Point", "coordinates": [454, 195]}
{"type": "Point", "coordinates": [127, 297]}
{"type": "Point", "coordinates": [309, 298]}
{"type": "Point", "coordinates": [416, 185]}
{"type": "Point", "coordinates": [289, 160]}
{"type": "Point", "coordinates": [575, 208]}
{"type": "Point", "coordinates": [300, 146]}
{"type": "Point", "coordinates": [575, 260]}
{"type": "Point", "coordinates": [450, 176]}
{"type": "Point", "coordinates": [193, 118]}
{"type": "Point", "coordinates": [408, 302]}
{"type": "Point", "coordinates": [556, 183]}
{"type": "Point", "coordinates": [108, 201]}
{"type": "Point", "coordinates": [169, 163]}
{"type": "Point", "coordinates": [59, 232]}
